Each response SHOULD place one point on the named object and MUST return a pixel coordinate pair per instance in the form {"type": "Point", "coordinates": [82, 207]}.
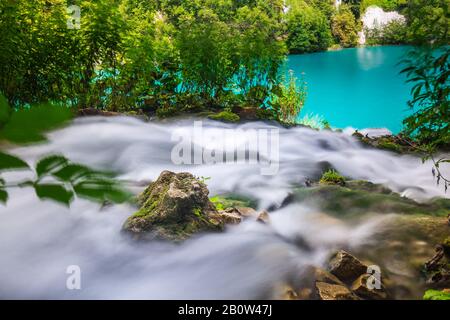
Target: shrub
{"type": "Point", "coordinates": [292, 99]}
{"type": "Point", "coordinates": [308, 29]}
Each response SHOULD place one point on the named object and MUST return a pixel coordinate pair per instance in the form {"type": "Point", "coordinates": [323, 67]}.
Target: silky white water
{"type": "Point", "coordinates": [40, 239]}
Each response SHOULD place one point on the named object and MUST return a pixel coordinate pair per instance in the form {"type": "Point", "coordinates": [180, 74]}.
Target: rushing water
{"type": "Point", "coordinates": [359, 87]}
{"type": "Point", "coordinates": [38, 240]}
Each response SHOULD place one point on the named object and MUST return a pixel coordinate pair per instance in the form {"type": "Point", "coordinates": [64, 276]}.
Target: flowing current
{"type": "Point", "coordinates": [40, 239]}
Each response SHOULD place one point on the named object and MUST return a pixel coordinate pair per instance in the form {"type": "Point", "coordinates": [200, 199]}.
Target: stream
{"type": "Point", "coordinates": [40, 239]}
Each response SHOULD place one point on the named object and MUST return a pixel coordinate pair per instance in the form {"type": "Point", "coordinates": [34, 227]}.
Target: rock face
{"type": "Point", "coordinates": [327, 291]}
{"type": "Point", "coordinates": [174, 207]}
{"type": "Point", "coordinates": [357, 198]}
{"type": "Point", "coordinates": [346, 267]}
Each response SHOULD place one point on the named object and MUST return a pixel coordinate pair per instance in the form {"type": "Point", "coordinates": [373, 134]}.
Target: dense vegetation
{"type": "Point", "coordinates": [222, 56]}
{"type": "Point", "coordinates": [130, 55]}
{"type": "Point", "coordinates": [320, 18]}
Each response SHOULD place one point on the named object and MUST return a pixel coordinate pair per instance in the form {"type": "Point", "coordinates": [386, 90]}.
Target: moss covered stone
{"type": "Point", "coordinates": [225, 116]}
{"type": "Point", "coordinates": [361, 197]}
{"type": "Point", "coordinates": [332, 177]}
{"type": "Point", "coordinates": [391, 146]}
{"type": "Point", "coordinates": [174, 207]}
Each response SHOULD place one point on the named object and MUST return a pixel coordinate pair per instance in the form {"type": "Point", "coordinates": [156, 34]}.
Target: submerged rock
{"type": "Point", "coordinates": [263, 217]}
{"type": "Point", "coordinates": [174, 207]}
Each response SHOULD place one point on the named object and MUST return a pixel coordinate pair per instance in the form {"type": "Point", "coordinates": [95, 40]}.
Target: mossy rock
{"type": "Point", "coordinates": [225, 116]}
{"type": "Point", "coordinates": [391, 146]}
{"type": "Point", "coordinates": [361, 197]}
{"type": "Point", "coordinates": [174, 207]}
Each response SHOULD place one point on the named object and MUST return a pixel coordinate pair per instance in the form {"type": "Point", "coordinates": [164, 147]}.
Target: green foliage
{"type": "Point", "coordinates": [309, 30]}
{"type": "Point", "coordinates": [151, 55]}
{"type": "Point", "coordinates": [10, 162]}
{"type": "Point", "coordinates": [314, 121]}
{"type": "Point", "coordinates": [436, 295]}
{"type": "Point", "coordinates": [55, 177]}
{"type": "Point", "coordinates": [332, 177]}
{"type": "Point", "coordinates": [28, 124]}
{"type": "Point", "coordinates": [387, 5]}
{"type": "Point", "coordinates": [428, 22]}
{"type": "Point", "coordinates": [429, 73]}
{"type": "Point", "coordinates": [345, 27]}
{"type": "Point", "coordinates": [292, 99]}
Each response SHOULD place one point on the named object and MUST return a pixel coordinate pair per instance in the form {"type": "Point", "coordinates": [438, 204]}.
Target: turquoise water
{"type": "Point", "coordinates": [360, 87]}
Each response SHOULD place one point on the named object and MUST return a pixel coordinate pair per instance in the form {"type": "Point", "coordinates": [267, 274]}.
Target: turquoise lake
{"type": "Point", "coordinates": [359, 88]}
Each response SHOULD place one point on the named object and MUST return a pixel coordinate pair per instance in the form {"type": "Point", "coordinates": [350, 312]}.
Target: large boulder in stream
{"type": "Point", "coordinates": [174, 207]}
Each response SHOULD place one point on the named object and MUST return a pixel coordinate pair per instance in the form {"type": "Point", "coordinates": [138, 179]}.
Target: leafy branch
{"type": "Point", "coordinates": [58, 179]}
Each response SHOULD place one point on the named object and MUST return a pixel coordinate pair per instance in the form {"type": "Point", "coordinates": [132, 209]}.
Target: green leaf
{"type": "Point", "coordinates": [72, 172]}
{"type": "Point", "coordinates": [8, 162]}
{"type": "Point", "coordinates": [49, 164]}
{"type": "Point", "coordinates": [436, 295]}
{"type": "Point", "coordinates": [54, 192]}
{"type": "Point", "coordinates": [101, 191]}
{"type": "Point", "coordinates": [3, 196]}
{"type": "Point", "coordinates": [29, 124]}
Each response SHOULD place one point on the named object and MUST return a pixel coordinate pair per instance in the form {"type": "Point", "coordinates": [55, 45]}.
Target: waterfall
{"type": "Point", "coordinates": [375, 17]}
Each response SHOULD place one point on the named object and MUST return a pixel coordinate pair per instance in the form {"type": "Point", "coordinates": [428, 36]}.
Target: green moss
{"type": "Point", "coordinates": [332, 177]}
{"type": "Point", "coordinates": [222, 202]}
{"type": "Point", "coordinates": [140, 214]}
{"type": "Point", "coordinates": [225, 116]}
{"type": "Point", "coordinates": [436, 295]}
{"type": "Point", "coordinates": [387, 145]}
{"type": "Point", "coordinates": [197, 212]}
{"type": "Point", "coordinates": [357, 198]}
